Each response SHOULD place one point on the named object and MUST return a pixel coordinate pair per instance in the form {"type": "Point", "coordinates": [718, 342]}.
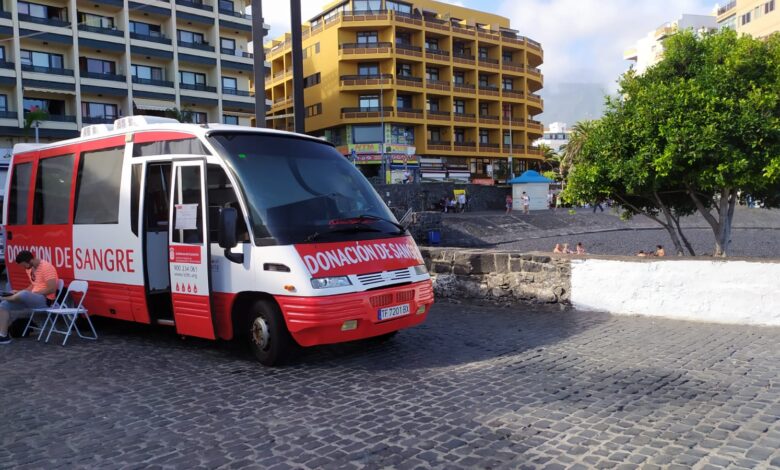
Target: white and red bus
{"type": "Point", "coordinates": [219, 231]}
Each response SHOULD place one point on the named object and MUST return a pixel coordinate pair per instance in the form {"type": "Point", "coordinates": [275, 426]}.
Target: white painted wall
{"type": "Point", "coordinates": [742, 292]}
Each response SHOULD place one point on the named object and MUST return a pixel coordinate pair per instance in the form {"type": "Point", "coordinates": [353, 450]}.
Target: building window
{"type": "Point", "coordinates": [42, 11]}
{"type": "Point", "coordinates": [459, 107]}
{"type": "Point", "coordinates": [369, 102]}
{"type": "Point", "coordinates": [144, 72]}
{"type": "Point", "coordinates": [507, 84]}
{"type": "Point", "coordinates": [229, 119]}
{"type": "Point", "coordinates": [199, 117]}
{"type": "Point", "coordinates": [311, 80]}
{"type": "Point", "coordinates": [226, 5]}
{"type": "Point", "coordinates": [483, 81]}
{"type": "Point", "coordinates": [369, 68]}
{"type": "Point", "coordinates": [18, 194]}
{"type": "Point", "coordinates": [42, 59]}
{"type": "Point", "coordinates": [4, 103]}
{"type": "Point", "coordinates": [2, 53]}
{"type": "Point", "coordinates": [404, 70]}
{"type": "Point", "coordinates": [484, 109]}
{"type": "Point", "coordinates": [459, 135]}
{"type": "Point", "coordinates": [96, 21]}
{"type": "Point", "coordinates": [229, 83]}
{"type": "Point", "coordinates": [367, 37]}
{"type": "Point", "coordinates": [432, 104]}
{"type": "Point", "coordinates": [97, 66]}
{"type": "Point", "coordinates": [484, 136]}
{"type": "Point", "coordinates": [506, 111]}
{"type": "Point", "coordinates": [431, 73]}
{"type": "Point", "coordinates": [398, 6]}
{"type": "Point", "coordinates": [769, 6]}
{"type": "Point", "coordinates": [367, 5]}
{"type": "Point", "coordinates": [227, 45]}
{"type": "Point", "coordinates": [506, 57]}
{"type": "Point", "coordinates": [369, 134]}
{"type": "Point", "coordinates": [99, 110]}
{"type": "Point", "coordinates": [145, 29]}
{"type": "Point", "coordinates": [434, 135]}
{"type": "Point", "coordinates": [191, 37]}
{"type": "Point", "coordinates": [746, 18]}
{"type": "Point", "coordinates": [483, 52]}
{"type": "Point", "coordinates": [459, 78]}
{"type": "Point", "coordinates": [51, 202]}
{"type": "Point", "coordinates": [507, 138]}
{"type": "Point", "coordinates": [402, 135]}
{"type": "Point", "coordinates": [404, 102]}
{"type": "Point", "coordinates": [53, 107]}
{"type": "Point", "coordinates": [193, 78]}
{"type": "Point", "coordinates": [432, 44]}
{"type": "Point", "coordinates": [404, 39]}
{"type": "Point", "coordinates": [314, 110]}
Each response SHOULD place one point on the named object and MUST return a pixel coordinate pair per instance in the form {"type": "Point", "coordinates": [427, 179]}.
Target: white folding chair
{"type": "Point", "coordinates": [69, 315]}
{"type": "Point", "coordinates": [57, 300]}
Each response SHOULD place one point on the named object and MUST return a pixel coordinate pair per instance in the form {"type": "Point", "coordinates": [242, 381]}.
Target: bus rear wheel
{"type": "Point", "coordinates": [269, 339]}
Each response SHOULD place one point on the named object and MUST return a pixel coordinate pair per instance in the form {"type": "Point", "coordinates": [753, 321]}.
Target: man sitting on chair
{"type": "Point", "coordinates": [39, 294]}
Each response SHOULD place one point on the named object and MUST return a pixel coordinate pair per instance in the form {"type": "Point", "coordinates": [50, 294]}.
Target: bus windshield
{"type": "Point", "coordinates": [302, 191]}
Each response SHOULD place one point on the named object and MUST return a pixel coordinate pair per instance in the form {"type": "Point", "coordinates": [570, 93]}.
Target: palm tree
{"type": "Point", "coordinates": [32, 118]}
{"type": "Point", "coordinates": [570, 153]}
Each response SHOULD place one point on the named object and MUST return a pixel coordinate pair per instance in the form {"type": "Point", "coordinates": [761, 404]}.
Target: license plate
{"type": "Point", "coordinates": [393, 312]}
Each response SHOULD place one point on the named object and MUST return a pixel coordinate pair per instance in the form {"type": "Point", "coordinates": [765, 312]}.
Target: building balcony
{"type": "Point", "coordinates": [517, 94]}
{"type": "Point", "coordinates": [464, 88]}
{"type": "Point", "coordinates": [237, 14]}
{"type": "Point", "coordinates": [237, 92]}
{"type": "Point", "coordinates": [408, 50]}
{"type": "Point", "coordinates": [235, 53]}
{"type": "Point", "coordinates": [434, 23]}
{"type": "Point", "coordinates": [59, 118]}
{"type": "Point", "coordinates": [104, 76]}
{"type": "Point", "coordinates": [97, 120]}
{"type": "Point", "coordinates": [195, 4]}
{"type": "Point", "coordinates": [533, 44]}
{"type": "Point", "coordinates": [488, 119]}
{"type": "Point", "coordinates": [355, 48]}
{"type": "Point", "coordinates": [465, 146]}
{"type": "Point", "coordinates": [146, 37]}
{"type": "Point", "coordinates": [438, 115]}
{"type": "Point", "coordinates": [513, 149]}
{"type": "Point", "coordinates": [437, 54]}
{"type": "Point", "coordinates": [488, 147]}
{"type": "Point", "coordinates": [5, 14]}
{"type": "Point", "coordinates": [280, 103]}
{"type": "Point", "coordinates": [463, 58]}
{"type": "Point", "coordinates": [488, 63]}
{"type": "Point", "coordinates": [47, 70]}
{"type": "Point", "coordinates": [99, 30]}
{"type": "Point", "coordinates": [464, 117]}
{"type": "Point", "coordinates": [536, 125]}
{"type": "Point", "coordinates": [535, 98]}
{"type": "Point", "coordinates": [366, 15]}
{"type": "Point", "coordinates": [439, 145]}
{"type": "Point", "coordinates": [404, 80]}
{"type": "Point", "coordinates": [45, 21]}
{"type": "Point", "coordinates": [367, 80]}
{"type": "Point", "coordinates": [468, 31]}
{"type": "Point", "coordinates": [437, 85]}
{"type": "Point", "coordinates": [534, 71]}
{"type": "Point", "coordinates": [512, 66]}
{"type": "Point", "coordinates": [489, 90]}
{"type": "Point", "coordinates": [407, 18]}
{"type": "Point", "coordinates": [201, 46]}
{"type": "Point", "coordinates": [7, 65]}
{"type": "Point", "coordinates": [536, 151]}
{"type": "Point", "coordinates": [197, 87]}
{"type": "Point", "coordinates": [410, 113]}
{"type": "Point", "coordinates": [513, 121]}
{"type": "Point", "coordinates": [152, 82]}
{"type": "Point", "coordinates": [727, 7]}
{"type": "Point", "coordinates": [487, 34]}
{"type": "Point", "coordinates": [9, 115]}
{"type": "Point", "coordinates": [366, 112]}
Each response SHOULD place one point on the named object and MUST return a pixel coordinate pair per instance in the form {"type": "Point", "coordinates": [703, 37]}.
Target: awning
{"type": "Point", "coordinates": [152, 105]}
{"type": "Point", "coordinates": [49, 91]}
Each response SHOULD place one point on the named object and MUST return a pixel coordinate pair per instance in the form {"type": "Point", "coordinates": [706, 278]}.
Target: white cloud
{"type": "Point", "coordinates": [584, 40]}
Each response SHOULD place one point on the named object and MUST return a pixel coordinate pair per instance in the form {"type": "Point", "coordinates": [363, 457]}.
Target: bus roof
{"type": "Point", "coordinates": [90, 133]}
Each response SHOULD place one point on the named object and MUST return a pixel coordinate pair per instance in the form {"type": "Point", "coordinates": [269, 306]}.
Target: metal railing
{"type": "Point", "coordinates": [53, 71]}
{"type": "Point", "coordinates": [197, 87]}
{"type": "Point", "coordinates": [8, 115]}
{"type": "Point", "coordinates": [195, 4]}
{"type": "Point", "coordinates": [236, 53]}
{"type": "Point", "coordinates": [104, 76]}
{"type": "Point", "coordinates": [6, 65]}
{"type": "Point", "coordinates": [203, 46]}
{"type": "Point", "coordinates": [408, 47]}
{"type": "Point", "coordinates": [237, 92]}
{"type": "Point", "coordinates": [437, 52]}
{"type": "Point", "coordinates": [237, 14]}
{"type": "Point", "coordinates": [100, 30]}
{"type": "Point", "coordinates": [367, 109]}
{"type": "Point", "coordinates": [148, 37]}
{"type": "Point", "coordinates": [97, 120]}
{"type": "Point", "coordinates": [46, 21]}
{"type": "Point", "coordinates": [58, 118]}
{"type": "Point", "coordinates": [365, 45]}
{"type": "Point", "coordinates": [726, 7]}
{"type": "Point", "coordinates": [153, 82]}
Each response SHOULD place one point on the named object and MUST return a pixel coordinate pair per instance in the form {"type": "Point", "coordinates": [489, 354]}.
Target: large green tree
{"type": "Point", "coordinates": [694, 133]}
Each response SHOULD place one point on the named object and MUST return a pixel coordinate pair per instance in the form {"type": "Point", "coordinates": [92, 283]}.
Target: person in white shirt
{"type": "Point", "coordinates": [526, 202]}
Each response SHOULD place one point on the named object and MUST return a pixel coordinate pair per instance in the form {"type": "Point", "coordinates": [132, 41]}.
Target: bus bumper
{"type": "Point", "coordinates": [348, 317]}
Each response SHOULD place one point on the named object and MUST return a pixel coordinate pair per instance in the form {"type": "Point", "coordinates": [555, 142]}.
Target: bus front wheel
{"type": "Point", "coordinates": [269, 339]}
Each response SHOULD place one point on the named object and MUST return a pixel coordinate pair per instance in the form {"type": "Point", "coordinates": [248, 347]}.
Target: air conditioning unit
{"type": "Point", "coordinates": [96, 129]}
{"type": "Point", "coordinates": [138, 121]}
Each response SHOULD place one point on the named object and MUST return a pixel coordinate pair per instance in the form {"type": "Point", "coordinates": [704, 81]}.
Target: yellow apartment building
{"type": "Point", "coordinates": [758, 18]}
{"type": "Point", "coordinates": [423, 84]}
{"type": "Point", "coordinates": [88, 62]}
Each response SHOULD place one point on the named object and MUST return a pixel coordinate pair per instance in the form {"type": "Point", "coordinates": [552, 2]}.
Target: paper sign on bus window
{"type": "Point", "coordinates": [186, 216]}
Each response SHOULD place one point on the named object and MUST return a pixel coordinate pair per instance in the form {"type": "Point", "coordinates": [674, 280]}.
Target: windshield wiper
{"type": "Point", "coordinates": [400, 227]}
{"type": "Point", "coordinates": [356, 228]}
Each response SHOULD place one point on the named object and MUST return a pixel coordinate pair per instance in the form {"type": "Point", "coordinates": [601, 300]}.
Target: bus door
{"type": "Point", "coordinates": [188, 251]}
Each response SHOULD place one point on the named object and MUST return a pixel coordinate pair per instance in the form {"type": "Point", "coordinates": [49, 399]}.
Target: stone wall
{"type": "Point", "coordinates": [498, 276]}
{"type": "Point", "coordinates": [425, 196]}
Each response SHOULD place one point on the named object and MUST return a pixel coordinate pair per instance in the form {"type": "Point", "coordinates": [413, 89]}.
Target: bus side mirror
{"type": "Point", "coordinates": [228, 219]}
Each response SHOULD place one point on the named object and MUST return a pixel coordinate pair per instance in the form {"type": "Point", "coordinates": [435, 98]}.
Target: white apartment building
{"type": "Point", "coordinates": [556, 135]}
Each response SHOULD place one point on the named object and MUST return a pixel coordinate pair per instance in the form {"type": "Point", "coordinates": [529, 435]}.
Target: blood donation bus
{"type": "Point", "coordinates": [219, 231]}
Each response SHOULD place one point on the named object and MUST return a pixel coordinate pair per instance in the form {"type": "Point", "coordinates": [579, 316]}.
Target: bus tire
{"type": "Point", "coordinates": [269, 339]}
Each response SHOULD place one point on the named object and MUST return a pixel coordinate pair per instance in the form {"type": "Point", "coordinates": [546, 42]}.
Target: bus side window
{"type": "Point", "coordinates": [18, 194]}
{"type": "Point", "coordinates": [222, 194]}
{"type": "Point", "coordinates": [190, 146]}
{"type": "Point", "coordinates": [97, 189]}
{"type": "Point", "coordinates": [51, 204]}
{"type": "Point", "coordinates": [156, 195]}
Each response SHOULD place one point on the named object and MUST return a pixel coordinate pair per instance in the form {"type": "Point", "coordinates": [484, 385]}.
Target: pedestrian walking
{"type": "Point", "coordinates": [597, 205]}
{"type": "Point", "coordinates": [508, 204]}
{"type": "Point", "coordinates": [526, 202]}
{"type": "Point", "coordinates": [462, 201]}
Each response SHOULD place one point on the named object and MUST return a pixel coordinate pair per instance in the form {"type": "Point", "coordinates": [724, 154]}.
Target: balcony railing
{"type": "Point", "coordinates": [535, 98]}
{"type": "Point", "coordinates": [59, 118]}
{"type": "Point", "coordinates": [235, 53]}
{"type": "Point", "coordinates": [465, 145]}
{"type": "Point", "coordinates": [364, 15]}
{"type": "Point", "coordinates": [147, 37]}
{"type": "Point", "coordinates": [409, 113]}
{"type": "Point", "coordinates": [489, 147]}
{"type": "Point", "coordinates": [488, 118]}
{"type": "Point", "coordinates": [464, 88]}
{"type": "Point", "coordinates": [366, 111]}
{"type": "Point", "coordinates": [8, 115]}
{"type": "Point", "coordinates": [53, 71]}
{"type": "Point", "coordinates": [237, 92]}
{"type": "Point", "coordinates": [5, 14]}
{"type": "Point", "coordinates": [365, 48]}
{"type": "Point", "coordinates": [437, 84]}
{"type": "Point", "coordinates": [197, 87]}
{"type": "Point", "coordinates": [195, 4]}
{"type": "Point", "coordinates": [489, 90]}
{"type": "Point", "coordinates": [150, 81]}
{"type": "Point", "coordinates": [437, 53]}
{"type": "Point", "coordinates": [408, 49]}
{"type": "Point", "coordinates": [512, 66]}
{"type": "Point", "coordinates": [465, 117]}
{"type": "Point", "coordinates": [46, 21]}
{"type": "Point", "coordinates": [727, 7]}
{"type": "Point", "coordinates": [439, 115]}
{"type": "Point", "coordinates": [237, 14]}
{"type": "Point", "coordinates": [99, 30]}
{"type": "Point", "coordinates": [104, 76]}
{"type": "Point", "coordinates": [512, 93]}
{"type": "Point", "coordinates": [487, 61]}
{"type": "Point", "coordinates": [367, 79]}
{"type": "Point", "coordinates": [6, 65]}
{"type": "Point", "coordinates": [463, 58]}
{"type": "Point", "coordinates": [203, 46]}
{"type": "Point", "coordinates": [405, 80]}
{"type": "Point", "coordinates": [439, 145]}
{"type": "Point", "coordinates": [97, 120]}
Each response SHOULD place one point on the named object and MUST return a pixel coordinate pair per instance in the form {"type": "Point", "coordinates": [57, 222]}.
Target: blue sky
{"type": "Point", "coordinates": [583, 40]}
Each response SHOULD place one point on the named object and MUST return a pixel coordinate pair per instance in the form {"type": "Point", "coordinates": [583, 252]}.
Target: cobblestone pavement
{"type": "Point", "coordinates": [474, 387]}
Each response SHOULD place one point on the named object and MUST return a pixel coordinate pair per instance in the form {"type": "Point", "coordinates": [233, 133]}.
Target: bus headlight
{"type": "Point", "coordinates": [420, 269]}
{"type": "Point", "coordinates": [329, 282]}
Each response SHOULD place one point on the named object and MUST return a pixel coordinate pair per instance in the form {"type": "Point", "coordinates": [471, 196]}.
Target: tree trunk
{"type": "Point", "coordinates": [683, 237]}
{"type": "Point", "coordinates": [668, 225]}
{"type": "Point", "coordinates": [728, 201]}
